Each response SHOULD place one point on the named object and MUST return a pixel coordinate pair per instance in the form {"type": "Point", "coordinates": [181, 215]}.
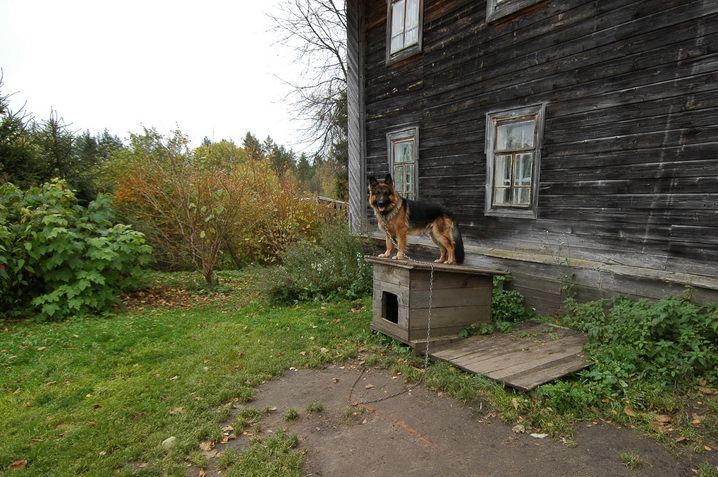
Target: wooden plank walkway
{"type": "Point", "coordinates": [534, 354]}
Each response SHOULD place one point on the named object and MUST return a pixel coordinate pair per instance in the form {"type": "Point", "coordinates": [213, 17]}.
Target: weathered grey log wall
{"type": "Point", "coordinates": [629, 168]}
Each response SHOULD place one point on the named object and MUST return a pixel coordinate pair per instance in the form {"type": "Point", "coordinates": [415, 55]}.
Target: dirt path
{"type": "Point", "coordinates": [422, 434]}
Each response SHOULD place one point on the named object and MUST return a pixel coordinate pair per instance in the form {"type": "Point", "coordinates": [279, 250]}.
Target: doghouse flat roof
{"type": "Point", "coordinates": [442, 267]}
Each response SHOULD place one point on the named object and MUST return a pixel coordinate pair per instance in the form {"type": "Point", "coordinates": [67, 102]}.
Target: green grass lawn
{"type": "Point", "coordinates": [98, 396]}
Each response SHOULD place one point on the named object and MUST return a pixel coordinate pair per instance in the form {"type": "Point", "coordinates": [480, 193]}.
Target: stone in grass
{"type": "Point", "coordinates": [169, 443]}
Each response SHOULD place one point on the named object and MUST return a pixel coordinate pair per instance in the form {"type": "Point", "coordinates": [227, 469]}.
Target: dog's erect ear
{"type": "Point", "coordinates": [372, 181]}
{"type": "Point", "coordinates": [388, 180]}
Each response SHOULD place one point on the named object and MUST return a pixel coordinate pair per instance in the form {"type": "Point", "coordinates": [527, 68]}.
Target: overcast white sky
{"type": "Point", "coordinates": [208, 67]}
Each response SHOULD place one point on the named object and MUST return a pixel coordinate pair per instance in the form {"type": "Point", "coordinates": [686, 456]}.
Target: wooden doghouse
{"type": "Point", "coordinates": [403, 291]}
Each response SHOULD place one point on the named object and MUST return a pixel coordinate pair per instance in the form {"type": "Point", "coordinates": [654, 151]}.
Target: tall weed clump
{"type": "Point", "coordinates": [647, 346]}
{"type": "Point", "coordinates": [58, 258]}
{"type": "Point", "coordinates": [331, 266]}
{"type": "Point", "coordinates": [507, 309]}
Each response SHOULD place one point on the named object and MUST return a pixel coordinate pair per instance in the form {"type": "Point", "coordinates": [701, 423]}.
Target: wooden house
{"type": "Point", "coordinates": [576, 141]}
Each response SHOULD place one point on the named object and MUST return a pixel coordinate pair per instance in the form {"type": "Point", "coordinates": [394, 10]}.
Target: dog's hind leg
{"type": "Point", "coordinates": [443, 240]}
{"type": "Point", "coordinates": [441, 246]}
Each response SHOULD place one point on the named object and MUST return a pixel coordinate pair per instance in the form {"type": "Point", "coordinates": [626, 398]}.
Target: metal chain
{"type": "Point", "coordinates": [428, 339]}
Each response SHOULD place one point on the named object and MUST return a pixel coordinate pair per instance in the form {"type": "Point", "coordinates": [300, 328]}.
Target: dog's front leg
{"type": "Point", "coordinates": [389, 246]}
{"type": "Point", "coordinates": [401, 245]}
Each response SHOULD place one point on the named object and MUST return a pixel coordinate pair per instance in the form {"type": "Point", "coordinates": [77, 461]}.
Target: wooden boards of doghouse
{"type": "Point", "coordinates": [534, 354]}
{"type": "Point", "coordinates": [404, 295]}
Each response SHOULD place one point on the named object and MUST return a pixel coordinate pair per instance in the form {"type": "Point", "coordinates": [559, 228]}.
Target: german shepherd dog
{"type": "Point", "coordinates": [398, 217]}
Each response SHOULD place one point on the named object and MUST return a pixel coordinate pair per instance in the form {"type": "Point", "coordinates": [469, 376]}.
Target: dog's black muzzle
{"type": "Point", "coordinates": [383, 205]}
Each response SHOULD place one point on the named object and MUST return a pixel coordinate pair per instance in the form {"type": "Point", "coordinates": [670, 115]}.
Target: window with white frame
{"type": "Point", "coordinates": [496, 9]}
{"type": "Point", "coordinates": [403, 158]}
{"type": "Point", "coordinates": [404, 28]}
{"type": "Point", "coordinates": [513, 153]}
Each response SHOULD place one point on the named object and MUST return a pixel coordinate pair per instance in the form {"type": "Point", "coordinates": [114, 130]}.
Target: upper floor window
{"type": "Point", "coordinates": [496, 9]}
{"type": "Point", "coordinates": [513, 152]}
{"type": "Point", "coordinates": [404, 32]}
{"type": "Point", "coordinates": [403, 158]}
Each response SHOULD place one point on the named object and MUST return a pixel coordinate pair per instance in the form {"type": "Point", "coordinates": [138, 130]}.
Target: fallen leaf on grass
{"type": "Point", "coordinates": [629, 411]}
{"type": "Point", "coordinates": [207, 445]}
{"type": "Point", "coordinates": [177, 410]}
{"type": "Point", "coordinates": [18, 465]}
{"type": "Point", "coordinates": [706, 391]}
{"type": "Point", "coordinates": [662, 418]}
{"type": "Point", "coordinates": [539, 436]}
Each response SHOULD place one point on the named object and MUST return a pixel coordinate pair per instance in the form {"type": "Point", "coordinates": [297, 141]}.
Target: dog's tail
{"type": "Point", "coordinates": [458, 243]}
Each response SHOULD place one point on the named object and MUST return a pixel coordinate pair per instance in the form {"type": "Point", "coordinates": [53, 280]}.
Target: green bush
{"type": "Point", "coordinates": [59, 259]}
{"type": "Point", "coordinates": [662, 345]}
{"type": "Point", "coordinates": [333, 266]}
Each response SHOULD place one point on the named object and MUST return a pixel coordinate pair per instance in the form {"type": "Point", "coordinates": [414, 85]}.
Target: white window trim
{"type": "Point", "coordinates": [496, 9]}
{"type": "Point", "coordinates": [492, 120]}
{"type": "Point", "coordinates": [409, 50]}
{"type": "Point", "coordinates": [409, 133]}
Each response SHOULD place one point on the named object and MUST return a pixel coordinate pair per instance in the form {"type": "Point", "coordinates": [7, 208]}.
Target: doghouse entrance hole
{"type": "Point", "coordinates": [390, 307]}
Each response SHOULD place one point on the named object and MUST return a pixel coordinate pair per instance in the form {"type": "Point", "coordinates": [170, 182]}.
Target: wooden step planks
{"type": "Point", "coordinates": [534, 354]}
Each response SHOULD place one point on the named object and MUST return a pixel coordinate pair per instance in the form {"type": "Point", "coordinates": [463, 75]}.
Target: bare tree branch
{"type": "Point", "coordinates": [316, 31]}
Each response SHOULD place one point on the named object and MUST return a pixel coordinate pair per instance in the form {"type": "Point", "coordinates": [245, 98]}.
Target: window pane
{"type": "Point", "coordinates": [522, 196]}
{"type": "Point", "coordinates": [399, 179]}
{"type": "Point", "coordinates": [397, 43]}
{"type": "Point", "coordinates": [397, 26]}
{"type": "Point", "coordinates": [404, 151]}
{"type": "Point", "coordinates": [502, 180]}
{"type": "Point", "coordinates": [502, 196]}
{"type": "Point", "coordinates": [514, 136]}
{"type": "Point", "coordinates": [409, 181]}
{"type": "Point", "coordinates": [502, 173]}
{"type": "Point", "coordinates": [411, 37]}
{"type": "Point", "coordinates": [411, 23]}
{"type": "Point", "coordinates": [524, 169]}
{"type": "Point", "coordinates": [412, 14]}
